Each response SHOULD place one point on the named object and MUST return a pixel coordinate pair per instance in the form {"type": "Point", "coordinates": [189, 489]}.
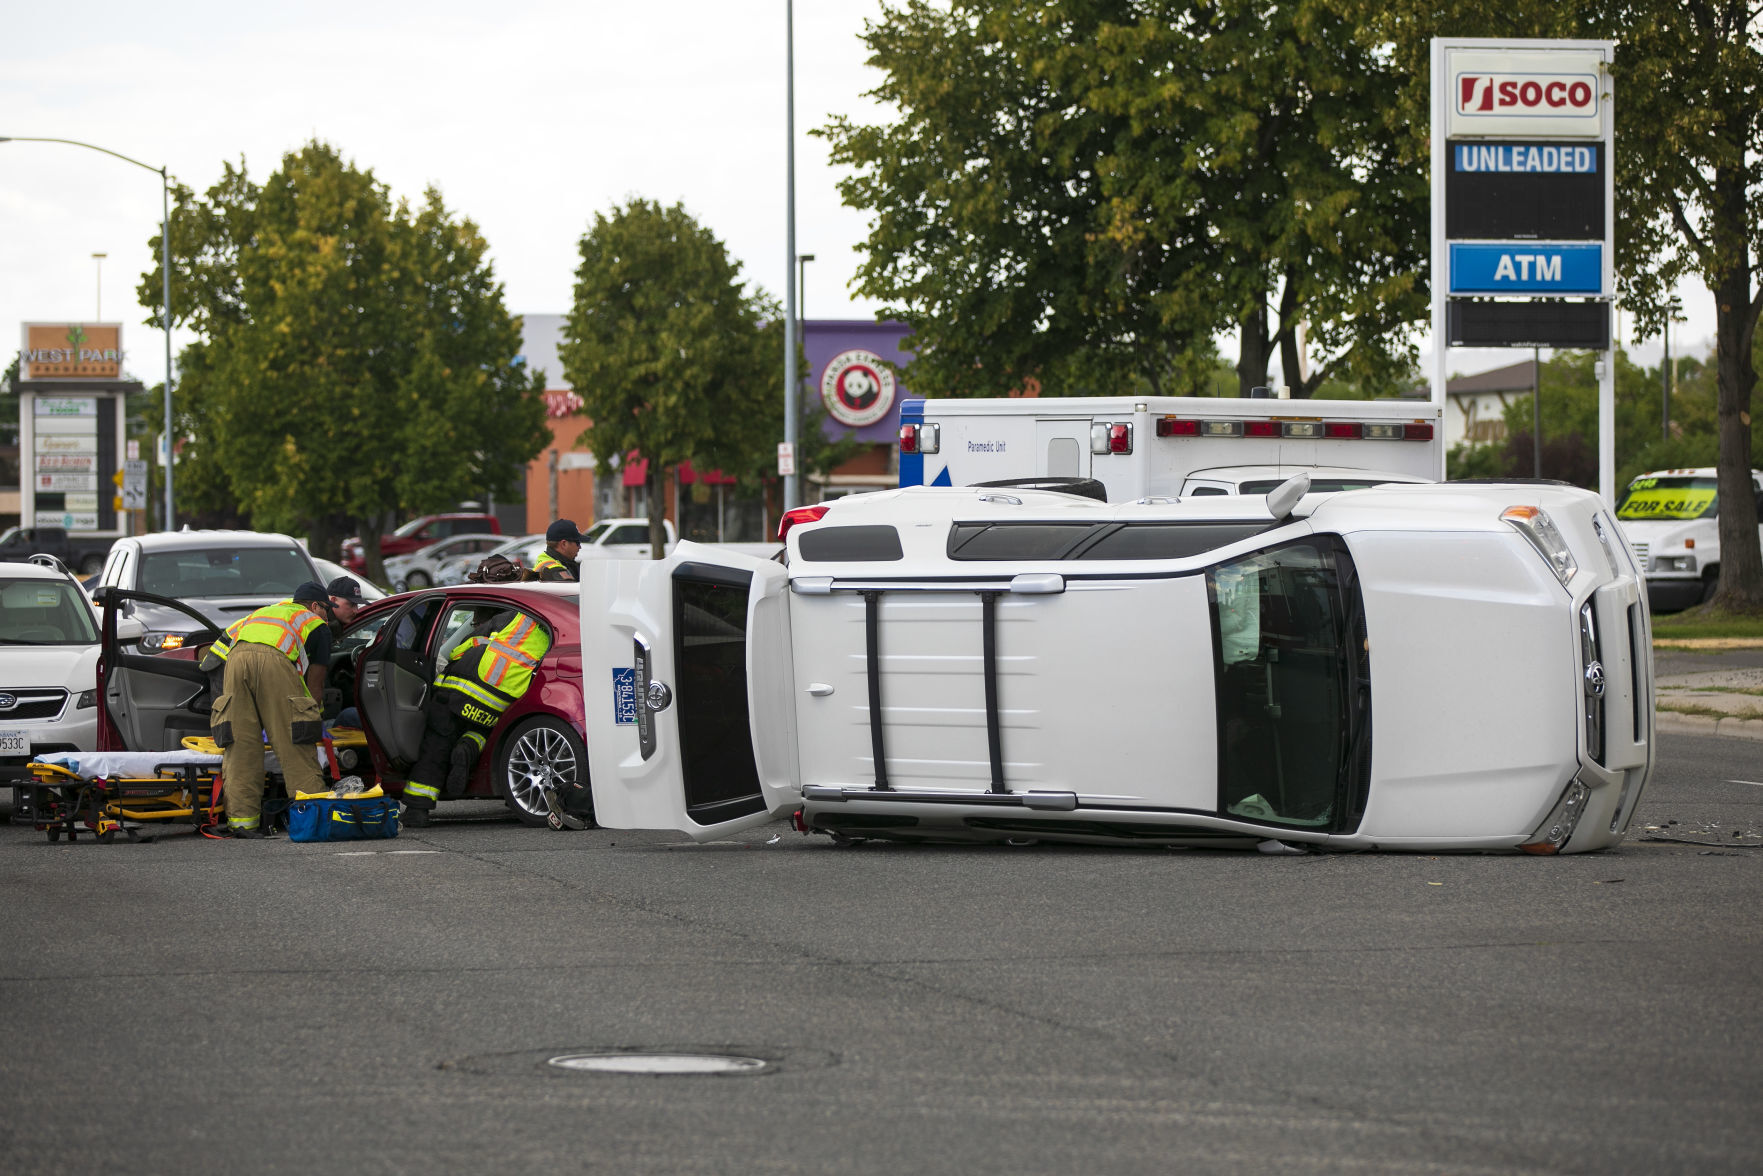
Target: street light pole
{"type": "Point", "coordinates": [165, 269]}
{"type": "Point", "coordinates": [792, 483]}
{"type": "Point", "coordinates": [802, 330]}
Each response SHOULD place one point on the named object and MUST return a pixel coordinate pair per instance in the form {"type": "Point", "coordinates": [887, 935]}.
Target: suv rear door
{"type": "Point", "coordinates": [687, 685]}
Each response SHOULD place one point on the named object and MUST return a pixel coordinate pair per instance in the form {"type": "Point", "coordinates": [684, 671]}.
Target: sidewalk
{"type": "Point", "coordinates": [1710, 687]}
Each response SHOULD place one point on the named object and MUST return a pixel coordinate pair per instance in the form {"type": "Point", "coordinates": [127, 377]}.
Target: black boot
{"type": "Point", "coordinates": [415, 816]}
{"type": "Point", "coordinates": [463, 760]}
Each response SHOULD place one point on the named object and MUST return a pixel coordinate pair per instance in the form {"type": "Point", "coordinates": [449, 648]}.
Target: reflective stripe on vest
{"type": "Point", "coordinates": [223, 644]}
{"type": "Point", "coordinates": [547, 561]}
{"type": "Point", "coordinates": [284, 627]}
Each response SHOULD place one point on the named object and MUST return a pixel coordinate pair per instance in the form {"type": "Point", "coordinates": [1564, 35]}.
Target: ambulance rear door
{"type": "Point", "coordinates": [687, 685]}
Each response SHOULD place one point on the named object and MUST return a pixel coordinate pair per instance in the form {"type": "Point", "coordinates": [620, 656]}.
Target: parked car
{"type": "Point", "coordinates": [48, 665]}
{"type": "Point", "coordinates": [418, 568]}
{"type": "Point", "coordinates": [523, 551]}
{"type": "Point", "coordinates": [1671, 518]}
{"type": "Point", "coordinates": [85, 555]}
{"type": "Point", "coordinates": [383, 663]}
{"type": "Point", "coordinates": [420, 532]}
{"type": "Point", "coordinates": [1412, 667]}
{"type": "Point", "coordinates": [329, 571]}
{"type": "Point", "coordinates": [220, 575]}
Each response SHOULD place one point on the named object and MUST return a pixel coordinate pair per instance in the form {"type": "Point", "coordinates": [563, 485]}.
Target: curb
{"type": "Point", "coordinates": [1731, 728]}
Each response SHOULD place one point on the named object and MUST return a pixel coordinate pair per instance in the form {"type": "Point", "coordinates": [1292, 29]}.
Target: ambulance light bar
{"type": "Point", "coordinates": [1308, 430]}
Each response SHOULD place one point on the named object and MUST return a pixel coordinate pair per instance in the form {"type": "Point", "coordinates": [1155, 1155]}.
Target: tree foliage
{"type": "Point", "coordinates": [1688, 177]}
{"type": "Point", "coordinates": [669, 352]}
{"type": "Point", "coordinates": [354, 356]}
{"type": "Point", "coordinates": [1087, 191]}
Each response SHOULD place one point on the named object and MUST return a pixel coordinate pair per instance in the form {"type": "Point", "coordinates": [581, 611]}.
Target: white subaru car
{"type": "Point", "coordinates": [1408, 667]}
{"type": "Point", "coordinates": [48, 665]}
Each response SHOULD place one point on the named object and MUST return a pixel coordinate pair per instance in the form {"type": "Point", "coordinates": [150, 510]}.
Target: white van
{"type": "Point", "coordinates": [1671, 520]}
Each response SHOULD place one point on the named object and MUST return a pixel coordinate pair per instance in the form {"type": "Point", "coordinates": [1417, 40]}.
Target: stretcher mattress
{"type": "Point", "coordinates": [141, 765]}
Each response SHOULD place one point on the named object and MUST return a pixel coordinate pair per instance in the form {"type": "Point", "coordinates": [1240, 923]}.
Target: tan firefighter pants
{"type": "Point", "coordinates": [264, 692]}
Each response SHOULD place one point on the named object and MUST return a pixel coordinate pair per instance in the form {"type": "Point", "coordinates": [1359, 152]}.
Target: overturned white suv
{"type": "Point", "coordinates": [1411, 667]}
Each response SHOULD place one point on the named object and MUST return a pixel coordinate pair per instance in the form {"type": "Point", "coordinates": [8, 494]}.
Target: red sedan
{"type": "Point", "coordinates": [384, 664]}
{"type": "Point", "coordinates": [388, 656]}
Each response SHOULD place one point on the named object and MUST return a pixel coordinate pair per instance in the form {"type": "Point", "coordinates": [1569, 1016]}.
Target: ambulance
{"type": "Point", "coordinates": [1173, 446]}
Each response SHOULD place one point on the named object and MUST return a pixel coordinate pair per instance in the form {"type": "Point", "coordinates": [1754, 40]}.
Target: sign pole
{"type": "Point", "coordinates": [1440, 279]}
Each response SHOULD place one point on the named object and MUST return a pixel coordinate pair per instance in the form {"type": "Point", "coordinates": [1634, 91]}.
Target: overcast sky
{"type": "Point", "coordinates": [528, 115]}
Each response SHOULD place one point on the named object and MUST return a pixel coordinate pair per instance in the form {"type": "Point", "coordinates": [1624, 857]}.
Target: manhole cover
{"type": "Point", "coordinates": [659, 1063]}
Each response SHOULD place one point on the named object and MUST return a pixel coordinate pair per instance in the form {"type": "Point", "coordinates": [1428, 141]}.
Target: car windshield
{"type": "Point", "coordinates": [410, 528]}
{"type": "Point", "coordinates": [45, 612]}
{"type": "Point", "coordinates": [224, 571]}
{"type": "Point", "coordinates": [593, 533]}
{"type": "Point", "coordinates": [1670, 498]}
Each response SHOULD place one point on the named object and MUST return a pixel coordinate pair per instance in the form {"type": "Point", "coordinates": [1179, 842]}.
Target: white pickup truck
{"type": "Point", "coordinates": [629, 539]}
{"type": "Point", "coordinates": [1671, 518]}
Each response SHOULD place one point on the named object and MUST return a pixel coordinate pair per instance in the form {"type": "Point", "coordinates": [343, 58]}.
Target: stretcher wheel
{"type": "Point", "coordinates": [54, 834]}
{"type": "Point", "coordinates": [106, 837]}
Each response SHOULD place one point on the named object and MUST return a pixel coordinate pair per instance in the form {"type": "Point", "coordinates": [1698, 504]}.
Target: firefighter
{"type": "Point", "coordinates": [562, 544]}
{"type": "Point", "coordinates": [484, 674]}
{"type": "Point", "coordinates": [275, 669]}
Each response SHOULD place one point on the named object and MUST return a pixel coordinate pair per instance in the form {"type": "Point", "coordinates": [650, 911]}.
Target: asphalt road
{"type": "Point", "coordinates": [195, 1006]}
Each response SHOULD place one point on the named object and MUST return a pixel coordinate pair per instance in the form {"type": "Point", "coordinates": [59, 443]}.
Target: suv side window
{"type": "Point", "coordinates": [628, 534]}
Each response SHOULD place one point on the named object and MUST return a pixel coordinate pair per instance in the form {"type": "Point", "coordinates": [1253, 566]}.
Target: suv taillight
{"type": "Point", "coordinates": [802, 514]}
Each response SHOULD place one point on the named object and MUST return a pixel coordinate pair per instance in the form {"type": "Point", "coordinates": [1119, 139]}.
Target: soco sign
{"type": "Point", "coordinates": [1530, 94]}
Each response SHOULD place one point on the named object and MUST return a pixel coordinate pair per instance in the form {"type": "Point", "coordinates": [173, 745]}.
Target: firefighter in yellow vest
{"type": "Point", "coordinates": [485, 673]}
{"type": "Point", "coordinates": [562, 544]}
{"type": "Point", "coordinates": [275, 668]}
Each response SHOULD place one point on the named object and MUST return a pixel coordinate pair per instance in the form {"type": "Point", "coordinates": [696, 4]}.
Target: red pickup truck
{"type": "Point", "coordinates": [419, 533]}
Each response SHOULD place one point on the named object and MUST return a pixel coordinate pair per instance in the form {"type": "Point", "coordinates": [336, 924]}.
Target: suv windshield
{"type": "Point", "coordinates": [1670, 498]}
{"type": "Point", "coordinates": [224, 571]}
{"type": "Point", "coordinates": [45, 612]}
{"type": "Point", "coordinates": [411, 528]}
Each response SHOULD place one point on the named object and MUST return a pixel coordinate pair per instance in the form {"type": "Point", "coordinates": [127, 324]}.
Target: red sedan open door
{"type": "Point", "coordinates": [686, 678]}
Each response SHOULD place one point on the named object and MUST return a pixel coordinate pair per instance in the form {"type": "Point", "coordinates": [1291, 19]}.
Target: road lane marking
{"type": "Point", "coordinates": [372, 852]}
{"type": "Point", "coordinates": [1756, 783]}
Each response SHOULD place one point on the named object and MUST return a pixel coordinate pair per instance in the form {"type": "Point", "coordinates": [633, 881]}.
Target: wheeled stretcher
{"type": "Point", "coordinates": [103, 793]}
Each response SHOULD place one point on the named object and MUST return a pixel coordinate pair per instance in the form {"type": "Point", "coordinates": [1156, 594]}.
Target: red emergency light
{"type": "Point", "coordinates": [920, 438]}
{"type": "Point", "coordinates": [1260, 428]}
{"type": "Point", "coordinates": [1352, 429]}
{"type": "Point", "coordinates": [1175, 427]}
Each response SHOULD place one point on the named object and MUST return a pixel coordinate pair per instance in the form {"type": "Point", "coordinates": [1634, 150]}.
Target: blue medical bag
{"type": "Point", "coordinates": [343, 820]}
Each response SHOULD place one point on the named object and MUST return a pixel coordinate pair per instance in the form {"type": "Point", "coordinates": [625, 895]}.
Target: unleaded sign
{"type": "Point", "coordinates": [1525, 191]}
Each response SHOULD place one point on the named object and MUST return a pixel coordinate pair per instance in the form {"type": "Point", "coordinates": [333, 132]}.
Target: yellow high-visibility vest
{"type": "Point", "coordinates": [284, 626]}
{"type": "Point", "coordinates": [505, 669]}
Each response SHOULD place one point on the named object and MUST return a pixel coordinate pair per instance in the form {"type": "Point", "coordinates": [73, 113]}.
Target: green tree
{"type": "Point", "coordinates": [1688, 178]}
{"type": "Point", "coordinates": [669, 351]}
{"type": "Point", "coordinates": [1086, 191]}
{"type": "Point", "coordinates": [354, 359]}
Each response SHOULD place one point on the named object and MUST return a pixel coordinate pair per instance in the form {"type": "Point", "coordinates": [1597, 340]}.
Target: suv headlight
{"type": "Point", "coordinates": [1535, 525]}
{"type": "Point", "coordinates": [160, 642]}
{"type": "Point", "coordinates": [1674, 563]}
{"type": "Point", "coordinates": [87, 700]}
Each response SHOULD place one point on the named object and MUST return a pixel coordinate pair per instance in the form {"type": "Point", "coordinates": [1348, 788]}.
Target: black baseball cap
{"type": "Point", "coordinates": [347, 589]}
{"type": "Point", "coordinates": [563, 530]}
{"type": "Point", "coordinates": [311, 592]}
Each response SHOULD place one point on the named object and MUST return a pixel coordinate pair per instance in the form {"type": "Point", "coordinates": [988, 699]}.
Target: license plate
{"type": "Point", "coordinates": [15, 742]}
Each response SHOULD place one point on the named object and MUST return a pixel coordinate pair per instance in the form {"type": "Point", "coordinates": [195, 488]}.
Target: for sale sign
{"type": "Point", "coordinates": [1548, 94]}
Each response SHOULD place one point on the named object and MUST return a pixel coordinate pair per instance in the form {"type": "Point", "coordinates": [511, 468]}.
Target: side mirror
{"type": "Point", "coordinates": [101, 594]}
{"type": "Point", "coordinates": [1284, 498]}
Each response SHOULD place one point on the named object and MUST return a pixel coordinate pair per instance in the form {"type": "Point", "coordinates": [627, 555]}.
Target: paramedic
{"type": "Point", "coordinates": [562, 544]}
{"type": "Point", "coordinates": [275, 672]}
{"type": "Point", "coordinates": [484, 674]}
{"type": "Point", "coordinates": [346, 601]}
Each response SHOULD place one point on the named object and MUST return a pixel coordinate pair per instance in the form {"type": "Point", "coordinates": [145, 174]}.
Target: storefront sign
{"type": "Point", "coordinates": [71, 351]}
{"type": "Point", "coordinates": [51, 483]}
{"type": "Point", "coordinates": [67, 443]}
{"type": "Point", "coordinates": [70, 463]}
{"type": "Point", "coordinates": [857, 387]}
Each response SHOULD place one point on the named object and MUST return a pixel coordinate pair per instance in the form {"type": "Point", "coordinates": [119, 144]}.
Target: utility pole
{"type": "Point", "coordinates": [792, 485]}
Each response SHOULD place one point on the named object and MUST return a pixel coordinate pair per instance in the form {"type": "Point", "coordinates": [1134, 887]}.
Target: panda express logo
{"type": "Point", "coordinates": [858, 388]}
